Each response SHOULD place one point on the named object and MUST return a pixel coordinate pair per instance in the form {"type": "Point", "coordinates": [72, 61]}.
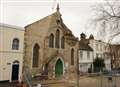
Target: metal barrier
{"type": "Point", "coordinates": [99, 80]}
{"type": "Point", "coordinates": [27, 77]}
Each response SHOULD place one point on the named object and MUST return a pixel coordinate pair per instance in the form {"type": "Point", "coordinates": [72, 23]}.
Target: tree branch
{"type": "Point", "coordinates": [112, 9]}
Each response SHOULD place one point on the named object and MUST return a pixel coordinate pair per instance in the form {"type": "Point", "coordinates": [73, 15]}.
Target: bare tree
{"type": "Point", "coordinates": [107, 21]}
{"type": "Point", "coordinates": [107, 18]}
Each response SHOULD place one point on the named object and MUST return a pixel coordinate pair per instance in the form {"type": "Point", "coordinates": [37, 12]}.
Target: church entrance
{"type": "Point", "coordinates": [58, 68]}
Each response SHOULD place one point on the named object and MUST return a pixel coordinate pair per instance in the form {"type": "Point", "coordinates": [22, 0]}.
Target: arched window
{"type": "Point", "coordinates": [51, 41]}
{"type": "Point", "coordinates": [35, 55]}
{"type": "Point", "coordinates": [62, 42]}
{"type": "Point", "coordinates": [72, 56]}
{"type": "Point", "coordinates": [57, 40]}
{"type": "Point", "coordinates": [15, 44]}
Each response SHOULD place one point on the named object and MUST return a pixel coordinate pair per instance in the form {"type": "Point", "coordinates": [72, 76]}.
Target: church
{"type": "Point", "coordinates": [50, 47]}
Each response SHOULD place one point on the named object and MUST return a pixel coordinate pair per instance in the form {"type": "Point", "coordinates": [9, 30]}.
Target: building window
{"type": "Point", "coordinates": [51, 41]}
{"type": "Point", "coordinates": [81, 55]}
{"type": "Point", "coordinates": [72, 56]}
{"type": "Point", "coordinates": [101, 48]}
{"type": "Point", "coordinates": [15, 44]}
{"type": "Point", "coordinates": [35, 55]}
{"type": "Point", "coordinates": [57, 40]}
{"type": "Point", "coordinates": [97, 48]}
{"type": "Point", "coordinates": [88, 54]}
{"type": "Point", "coordinates": [62, 42]}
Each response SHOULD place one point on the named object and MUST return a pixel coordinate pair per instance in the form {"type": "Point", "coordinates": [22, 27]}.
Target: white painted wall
{"type": "Point", "coordinates": [85, 59]}
{"type": "Point", "coordinates": [7, 54]}
{"type": "Point", "coordinates": [100, 50]}
{"type": "Point", "coordinates": [85, 62]}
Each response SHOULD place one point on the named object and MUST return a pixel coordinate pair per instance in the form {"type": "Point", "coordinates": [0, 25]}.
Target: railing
{"type": "Point", "coordinates": [27, 77]}
{"type": "Point", "coordinates": [100, 80]}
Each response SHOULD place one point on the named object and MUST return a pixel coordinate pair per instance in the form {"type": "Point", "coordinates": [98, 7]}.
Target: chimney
{"type": "Point", "coordinates": [82, 36]}
{"type": "Point", "coordinates": [91, 37]}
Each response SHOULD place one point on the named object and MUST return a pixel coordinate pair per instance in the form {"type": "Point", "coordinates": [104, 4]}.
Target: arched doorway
{"type": "Point", "coordinates": [58, 68]}
{"type": "Point", "coordinates": [15, 70]}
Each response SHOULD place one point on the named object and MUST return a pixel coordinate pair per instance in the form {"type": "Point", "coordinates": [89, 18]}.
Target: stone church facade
{"type": "Point", "coordinates": [50, 47]}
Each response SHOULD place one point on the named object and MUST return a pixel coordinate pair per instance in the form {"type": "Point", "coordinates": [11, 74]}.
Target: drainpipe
{"type": "Point", "coordinates": [77, 68]}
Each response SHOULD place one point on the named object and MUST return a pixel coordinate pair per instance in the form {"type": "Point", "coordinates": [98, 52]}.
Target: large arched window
{"type": "Point", "coordinates": [15, 44]}
{"type": "Point", "coordinates": [57, 40]}
{"type": "Point", "coordinates": [51, 41]}
{"type": "Point", "coordinates": [62, 42]}
{"type": "Point", "coordinates": [72, 56]}
{"type": "Point", "coordinates": [35, 55]}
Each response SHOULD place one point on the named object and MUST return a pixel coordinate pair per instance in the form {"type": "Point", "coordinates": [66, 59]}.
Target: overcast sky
{"type": "Point", "coordinates": [75, 13]}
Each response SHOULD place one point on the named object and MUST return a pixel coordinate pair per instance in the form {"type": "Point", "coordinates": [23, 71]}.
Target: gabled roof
{"type": "Point", "coordinates": [45, 19]}
{"type": "Point", "coordinates": [50, 22]}
{"type": "Point", "coordinates": [84, 45]}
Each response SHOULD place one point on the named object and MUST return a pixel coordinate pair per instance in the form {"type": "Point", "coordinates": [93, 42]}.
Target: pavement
{"type": "Point", "coordinates": [84, 81]}
{"type": "Point", "coordinates": [99, 81]}
{"type": "Point", "coordinates": [7, 84]}
{"type": "Point", "coordinates": [55, 83]}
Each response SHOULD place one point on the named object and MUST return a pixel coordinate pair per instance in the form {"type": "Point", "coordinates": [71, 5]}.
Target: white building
{"type": "Point", "coordinates": [85, 55]}
{"type": "Point", "coordinates": [101, 50]}
{"type": "Point", "coordinates": [11, 52]}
